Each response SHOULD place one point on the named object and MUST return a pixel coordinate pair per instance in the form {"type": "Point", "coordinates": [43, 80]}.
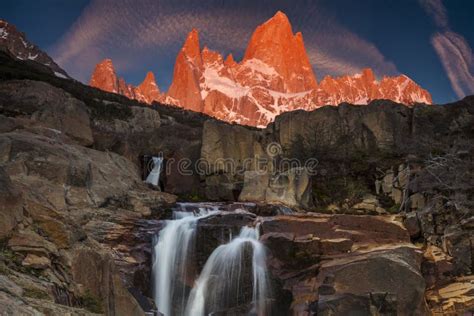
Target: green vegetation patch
{"type": "Point", "coordinates": [92, 303]}
{"type": "Point", "coordinates": [36, 293]}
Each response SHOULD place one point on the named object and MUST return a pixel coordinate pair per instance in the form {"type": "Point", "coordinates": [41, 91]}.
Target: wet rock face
{"type": "Point", "coordinates": [327, 263]}
{"type": "Point", "coordinates": [395, 272]}
{"type": "Point", "coordinates": [145, 132]}
{"type": "Point", "coordinates": [218, 229]}
{"type": "Point", "coordinates": [345, 262]}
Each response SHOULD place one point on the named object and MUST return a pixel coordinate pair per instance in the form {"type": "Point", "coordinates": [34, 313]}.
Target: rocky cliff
{"type": "Point", "coordinates": [274, 76]}
{"type": "Point", "coordinates": [384, 226]}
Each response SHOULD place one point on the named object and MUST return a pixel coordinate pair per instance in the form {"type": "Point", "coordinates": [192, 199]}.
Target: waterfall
{"type": "Point", "coordinates": [154, 176]}
{"type": "Point", "coordinates": [172, 247]}
{"type": "Point", "coordinates": [226, 276]}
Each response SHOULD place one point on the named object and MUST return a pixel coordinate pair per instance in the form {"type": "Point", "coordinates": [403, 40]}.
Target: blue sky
{"type": "Point", "coordinates": [429, 40]}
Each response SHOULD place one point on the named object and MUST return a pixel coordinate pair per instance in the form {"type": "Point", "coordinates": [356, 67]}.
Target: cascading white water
{"type": "Point", "coordinates": [171, 251]}
{"type": "Point", "coordinates": [154, 176]}
{"type": "Point", "coordinates": [234, 275]}
{"type": "Point", "coordinates": [223, 279]}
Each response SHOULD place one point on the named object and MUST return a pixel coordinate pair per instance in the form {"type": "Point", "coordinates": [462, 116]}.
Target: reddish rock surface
{"type": "Point", "coordinates": [275, 44]}
{"type": "Point", "coordinates": [275, 76]}
{"type": "Point", "coordinates": [105, 78]}
{"type": "Point", "coordinates": [148, 90]}
{"type": "Point", "coordinates": [185, 86]}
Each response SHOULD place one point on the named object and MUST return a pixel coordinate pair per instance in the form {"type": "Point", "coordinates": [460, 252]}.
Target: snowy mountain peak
{"type": "Point", "coordinates": [104, 77]}
{"type": "Point", "coordinates": [229, 61]}
{"type": "Point", "coordinates": [150, 78]}
{"type": "Point", "coordinates": [191, 48]}
{"type": "Point", "coordinates": [274, 43]}
{"type": "Point", "coordinates": [148, 90]}
{"type": "Point", "coordinates": [16, 44]}
{"type": "Point", "coordinates": [275, 76]}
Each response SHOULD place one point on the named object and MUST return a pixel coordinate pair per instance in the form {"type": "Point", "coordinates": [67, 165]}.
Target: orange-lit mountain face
{"type": "Point", "coordinates": [275, 76]}
{"type": "Point", "coordinates": [105, 78]}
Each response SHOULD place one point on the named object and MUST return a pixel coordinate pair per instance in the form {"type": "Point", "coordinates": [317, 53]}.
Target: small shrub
{"type": "Point", "coordinates": [394, 209]}
{"type": "Point", "coordinates": [4, 269]}
{"type": "Point", "coordinates": [92, 303]}
{"type": "Point", "coordinates": [36, 293]}
{"type": "Point", "coordinates": [191, 197]}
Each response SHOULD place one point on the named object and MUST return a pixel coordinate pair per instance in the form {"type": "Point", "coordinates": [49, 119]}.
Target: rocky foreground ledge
{"type": "Point", "coordinates": [384, 238]}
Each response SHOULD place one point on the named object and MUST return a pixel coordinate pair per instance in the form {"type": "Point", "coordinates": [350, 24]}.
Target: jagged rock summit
{"type": "Point", "coordinates": [16, 44]}
{"type": "Point", "coordinates": [275, 44]}
{"type": "Point", "coordinates": [274, 76]}
{"type": "Point", "coordinates": [105, 78]}
{"type": "Point", "coordinates": [185, 87]}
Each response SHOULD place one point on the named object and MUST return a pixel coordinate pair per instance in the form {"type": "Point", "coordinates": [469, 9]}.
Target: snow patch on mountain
{"type": "Point", "coordinates": [215, 82]}
{"type": "Point", "coordinates": [16, 44]}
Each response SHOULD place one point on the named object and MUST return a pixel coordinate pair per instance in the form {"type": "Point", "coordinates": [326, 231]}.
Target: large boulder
{"type": "Point", "coordinates": [291, 188]}
{"type": "Point", "coordinates": [255, 186]}
{"type": "Point", "coordinates": [49, 106]}
{"type": "Point", "coordinates": [345, 263]}
{"type": "Point", "coordinates": [95, 274]}
{"type": "Point", "coordinates": [227, 152]}
{"type": "Point", "coordinates": [393, 273]}
{"type": "Point", "coordinates": [30, 242]}
{"type": "Point", "coordinates": [382, 125]}
{"type": "Point", "coordinates": [65, 175]}
{"type": "Point", "coordinates": [140, 120]}
{"type": "Point", "coordinates": [368, 128]}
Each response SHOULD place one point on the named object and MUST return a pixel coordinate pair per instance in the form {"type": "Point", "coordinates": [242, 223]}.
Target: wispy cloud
{"type": "Point", "coordinates": [334, 50]}
{"type": "Point", "coordinates": [436, 10]}
{"type": "Point", "coordinates": [457, 59]}
{"type": "Point", "coordinates": [133, 31]}
{"type": "Point", "coordinates": [453, 50]}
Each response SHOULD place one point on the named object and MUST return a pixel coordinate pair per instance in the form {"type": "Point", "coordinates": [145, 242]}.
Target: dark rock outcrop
{"type": "Point", "coordinates": [227, 152]}
{"type": "Point", "coordinates": [48, 106]}
{"type": "Point", "coordinates": [339, 262]}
